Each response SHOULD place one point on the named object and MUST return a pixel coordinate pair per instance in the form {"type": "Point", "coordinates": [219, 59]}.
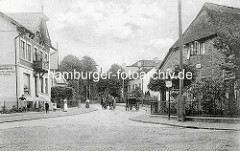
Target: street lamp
{"type": "Point", "coordinates": [169, 85]}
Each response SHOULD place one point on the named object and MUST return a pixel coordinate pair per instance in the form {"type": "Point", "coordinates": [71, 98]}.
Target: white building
{"type": "Point", "coordinates": [149, 67]}
{"type": "Point", "coordinates": [25, 49]}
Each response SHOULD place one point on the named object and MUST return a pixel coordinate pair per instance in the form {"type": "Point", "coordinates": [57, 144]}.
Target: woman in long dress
{"type": "Point", "coordinates": [65, 108]}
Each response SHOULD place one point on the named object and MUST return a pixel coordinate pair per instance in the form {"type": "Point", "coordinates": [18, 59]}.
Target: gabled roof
{"type": "Point", "coordinates": [15, 22]}
{"type": "Point", "coordinates": [216, 20]}
{"type": "Point", "coordinates": [34, 22]}
{"type": "Point", "coordinates": [146, 63]}
{"type": "Point", "coordinates": [31, 21]}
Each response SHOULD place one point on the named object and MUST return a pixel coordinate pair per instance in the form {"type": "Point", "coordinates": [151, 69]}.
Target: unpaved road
{"type": "Point", "coordinates": [110, 130]}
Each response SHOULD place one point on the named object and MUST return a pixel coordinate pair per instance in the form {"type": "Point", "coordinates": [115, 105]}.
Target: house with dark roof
{"type": "Point", "coordinates": [25, 50]}
{"type": "Point", "coordinates": [148, 67]}
{"type": "Point", "coordinates": [211, 23]}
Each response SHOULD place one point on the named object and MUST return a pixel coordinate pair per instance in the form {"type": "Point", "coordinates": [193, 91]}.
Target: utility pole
{"type": "Point", "coordinates": [181, 106]}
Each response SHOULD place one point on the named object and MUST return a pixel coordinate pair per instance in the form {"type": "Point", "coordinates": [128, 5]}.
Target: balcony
{"type": "Point", "coordinates": [41, 66]}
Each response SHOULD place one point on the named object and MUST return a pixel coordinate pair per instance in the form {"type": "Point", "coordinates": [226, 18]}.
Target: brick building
{"type": "Point", "coordinates": [198, 42]}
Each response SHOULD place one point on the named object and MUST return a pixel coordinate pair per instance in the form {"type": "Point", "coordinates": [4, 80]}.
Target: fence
{"type": "Point", "coordinates": [204, 107]}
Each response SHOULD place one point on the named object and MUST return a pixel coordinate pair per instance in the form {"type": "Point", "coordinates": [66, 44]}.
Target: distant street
{"type": "Point", "coordinates": [110, 130]}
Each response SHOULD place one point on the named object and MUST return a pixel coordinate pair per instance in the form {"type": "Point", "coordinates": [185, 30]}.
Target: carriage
{"type": "Point", "coordinates": [108, 101]}
{"type": "Point", "coordinates": [132, 102]}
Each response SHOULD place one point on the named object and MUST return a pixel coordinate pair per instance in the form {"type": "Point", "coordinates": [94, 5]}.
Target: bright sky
{"type": "Point", "coordinates": [113, 31]}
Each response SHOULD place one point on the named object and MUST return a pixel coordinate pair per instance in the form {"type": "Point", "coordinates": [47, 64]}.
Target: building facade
{"type": "Point", "coordinates": [199, 41]}
{"type": "Point", "coordinates": [25, 49]}
{"type": "Point", "coordinates": [149, 67]}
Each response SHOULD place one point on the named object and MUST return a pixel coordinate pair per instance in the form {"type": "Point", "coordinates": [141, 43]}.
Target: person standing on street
{"type": "Point", "coordinates": [46, 107]}
{"type": "Point", "coordinates": [23, 103]}
{"type": "Point", "coordinates": [87, 103]}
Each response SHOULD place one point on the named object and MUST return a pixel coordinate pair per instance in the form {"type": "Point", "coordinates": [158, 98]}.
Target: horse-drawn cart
{"type": "Point", "coordinates": [132, 102]}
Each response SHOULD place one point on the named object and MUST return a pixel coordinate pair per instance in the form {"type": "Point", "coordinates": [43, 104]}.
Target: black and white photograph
{"type": "Point", "coordinates": [119, 75]}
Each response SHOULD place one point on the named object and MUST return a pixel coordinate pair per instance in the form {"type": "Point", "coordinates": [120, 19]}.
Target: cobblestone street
{"type": "Point", "coordinates": [110, 130]}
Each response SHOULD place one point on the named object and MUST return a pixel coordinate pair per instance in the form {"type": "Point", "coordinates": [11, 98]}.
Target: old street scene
{"type": "Point", "coordinates": [126, 75]}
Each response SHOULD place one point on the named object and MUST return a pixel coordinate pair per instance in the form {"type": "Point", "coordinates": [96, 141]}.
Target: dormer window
{"type": "Point", "coordinates": [195, 48]}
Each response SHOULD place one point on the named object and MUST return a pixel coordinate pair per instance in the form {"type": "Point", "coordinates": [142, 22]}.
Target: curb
{"type": "Point", "coordinates": [38, 118]}
{"type": "Point", "coordinates": [183, 126]}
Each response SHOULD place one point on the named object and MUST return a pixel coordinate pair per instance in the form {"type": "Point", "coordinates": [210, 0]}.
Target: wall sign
{"type": "Point", "coordinates": [7, 70]}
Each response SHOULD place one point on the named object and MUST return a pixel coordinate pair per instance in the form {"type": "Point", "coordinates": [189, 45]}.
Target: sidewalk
{"type": "Point", "coordinates": [147, 118]}
{"type": "Point", "coordinates": [42, 115]}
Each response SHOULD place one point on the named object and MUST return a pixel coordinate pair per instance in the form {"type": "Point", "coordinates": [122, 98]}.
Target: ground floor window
{"type": "Point", "coordinates": [26, 79]}
{"type": "Point", "coordinates": [46, 85]}
{"type": "Point", "coordinates": [41, 81]}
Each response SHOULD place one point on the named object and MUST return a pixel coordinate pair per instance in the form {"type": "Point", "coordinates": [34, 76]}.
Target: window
{"type": "Point", "coordinates": [41, 81]}
{"type": "Point", "coordinates": [41, 55]}
{"type": "Point", "coordinates": [196, 48]}
{"type": "Point", "coordinates": [22, 53]}
{"type": "Point", "coordinates": [188, 54]}
{"type": "Point", "coordinates": [35, 54]}
{"type": "Point", "coordinates": [29, 53]}
{"type": "Point", "coordinates": [26, 79]}
{"type": "Point", "coordinates": [191, 49]}
{"type": "Point", "coordinates": [36, 86]}
{"type": "Point", "coordinates": [46, 85]}
{"type": "Point", "coordinates": [202, 47]}
{"type": "Point", "coordinates": [46, 57]}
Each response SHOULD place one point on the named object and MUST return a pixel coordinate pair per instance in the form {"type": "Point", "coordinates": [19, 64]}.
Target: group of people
{"type": "Point", "coordinates": [24, 106]}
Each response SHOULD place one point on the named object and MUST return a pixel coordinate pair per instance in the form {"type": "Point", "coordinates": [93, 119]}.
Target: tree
{"type": "Point", "coordinates": [84, 66]}
{"type": "Point", "coordinates": [186, 82]}
{"type": "Point", "coordinates": [228, 41]}
{"type": "Point", "coordinates": [114, 70]}
{"type": "Point", "coordinates": [114, 84]}
{"type": "Point", "coordinates": [88, 64]}
{"type": "Point", "coordinates": [157, 83]}
{"type": "Point", "coordinates": [69, 63]}
{"type": "Point", "coordinates": [59, 93]}
{"type": "Point", "coordinates": [137, 92]}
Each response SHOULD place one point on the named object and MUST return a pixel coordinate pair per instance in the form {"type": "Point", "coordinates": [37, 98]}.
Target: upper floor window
{"type": "Point", "coordinates": [35, 53]}
{"type": "Point", "coordinates": [41, 55]}
{"type": "Point", "coordinates": [46, 57]}
{"type": "Point", "coordinates": [195, 48]}
{"type": "Point", "coordinates": [25, 51]}
{"type": "Point", "coordinates": [29, 53]}
{"type": "Point", "coordinates": [22, 51]}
